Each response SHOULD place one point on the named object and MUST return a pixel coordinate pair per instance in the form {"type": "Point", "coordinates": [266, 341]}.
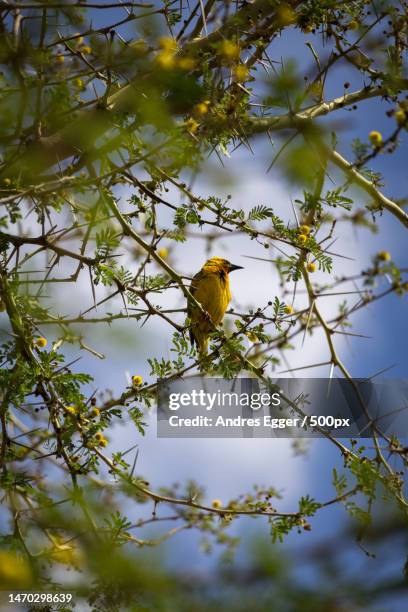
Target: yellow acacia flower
{"type": "Point", "coordinates": [71, 410]}
{"type": "Point", "coordinates": [192, 125]}
{"type": "Point", "coordinates": [59, 58]}
{"type": "Point", "coordinates": [201, 108]}
{"type": "Point", "coordinates": [384, 255]}
{"type": "Point", "coordinates": [375, 138]}
{"type": "Point", "coordinates": [163, 253]}
{"type": "Point", "coordinates": [41, 342]}
{"type": "Point", "coordinates": [6, 182]}
{"type": "Point", "coordinates": [186, 63]}
{"type": "Point", "coordinates": [86, 50]}
{"type": "Point", "coordinates": [103, 443]}
{"type": "Point", "coordinates": [400, 117]}
{"type": "Point", "coordinates": [15, 571]}
{"type": "Point", "coordinates": [79, 83]}
{"type": "Point", "coordinates": [286, 15]}
{"type": "Point", "coordinates": [353, 25]}
{"type": "Point", "coordinates": [302, 238]}
{"type": "Point", "coordinates": [240, 73]}
{"type": "Point", "coordinates": [137, 380]}
{"type": "Point", "coordinates": [167, 43]}
{"type": "Point", "coordinates": [94, 412]}
{"type": "Point", "coordinates": [311, 267]}
{"type": "Point", "coordinates": [216, 503]}
{"type": "Point", "coordinates": [230, 50]}
{"type": "Point", "coordinates": [288, 309]}
{"type": "Point", "coordinates": [304, 229]}
{"type": "Point", "coordinates": [166, 59]}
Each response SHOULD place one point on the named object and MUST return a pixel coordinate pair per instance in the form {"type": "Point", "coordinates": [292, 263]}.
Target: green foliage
{"type": "Point", "coordinates": [281, 527]}
{"type": "Point", "coordinates": [308, 506]}
{"type": "Point", "coordinates": [107, 240]}
{"type": "Point", "coordinates": [137, 416]}
{"type": "Point", "coordinates": [116, 528]}
{"type": "Point", "coordinates": [185, 215]}
{"type": "Point", "coordinates": [291, 268]}
{"type": "Point", "coordinates": [333, 198]}
{"type": "Point", "coordinates": [259, 213]}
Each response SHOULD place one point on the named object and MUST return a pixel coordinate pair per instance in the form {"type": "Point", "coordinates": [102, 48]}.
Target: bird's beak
{"type": "Point", "coordinates": [234, 267]}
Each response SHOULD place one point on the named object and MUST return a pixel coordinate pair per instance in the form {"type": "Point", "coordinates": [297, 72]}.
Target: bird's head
{"type": "Point", "coordinates": [218, 265]}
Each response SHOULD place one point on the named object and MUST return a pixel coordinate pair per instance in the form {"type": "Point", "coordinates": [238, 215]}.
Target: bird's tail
{"type": "Point", "coordinates": [199, 338]}
{"type": "Point", "coordinates": [203, 346]}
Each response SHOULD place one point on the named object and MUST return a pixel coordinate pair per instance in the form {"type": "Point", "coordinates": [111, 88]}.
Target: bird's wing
{"type": "Point", "coordinates": [190, 306]}
{"type": "Point", "coordinates": [193, 290]}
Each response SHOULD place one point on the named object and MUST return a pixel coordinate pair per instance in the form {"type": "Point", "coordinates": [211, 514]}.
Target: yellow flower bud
{"type": "Point", "coordinates": [241, 73]}
{"type": "Point", "coordinates": [99, 435]}
{"type": "Point", "coordinates": [15, 571]}
{"type": "Point", "coordinates": [163, 253]}
{"type": "Point", "coordinates": [353, 25]}
{"type": "Point", "coordinates": [79, 83]}
{"type": "Point", "coordinates": [6, 182]}
{"type": "Point", "coordinates": [166, 60]}
{"type": "Point", "coordinates": [384, 256]}
{"type": "Point", "coordinates": [201, 108]}
{"type": "Point", "coordinates": [400, 117]}
{"type": "Point", "coordinates": [230, 50]}
{"type": "Point", "coordinates": [288, 309]}
{"type": "Point", "coordinates": [41, 342]}
{"type": "Point", "coordinates": [216, 503]}
{"type": "Point", "coordinates": [95, 412]}
{"type": "Point", "coordinates": [59, 58]}
{"type": "Point", "coordinates": [85, 50]}
{"type": "Point", "coordinates": [167, 43]}
{"type": "Point", "coordinates": [375, 138]}
{"type": "Point", "coordinates": [192, 125]}
{"type": "Point", "coordinates": [311, 267]}
{"type": "Point", "coordinates": [186, 63]}
{"type": "Point", "coordinates": [103, 443]}
{"type": "Point", "coordinates": [302, 238]}
{"type": "Point", "coordinates": [286, 15]}
{"type": "Point", "coordinates": [72, 410]}
{"type": "Point", "coordinates": [304, 229]}
{"type": "Point", "coordinates": [137, 380]}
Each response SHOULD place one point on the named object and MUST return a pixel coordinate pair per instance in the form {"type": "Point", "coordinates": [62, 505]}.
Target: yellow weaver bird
{"type": "Point", "coordinates": [210, 287]}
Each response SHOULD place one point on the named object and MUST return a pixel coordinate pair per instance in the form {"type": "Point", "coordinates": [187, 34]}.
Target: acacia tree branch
{"type": "Point", "coordinates": [368, 186]}
{"type": "Point", "coordinates": [303, 117]}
